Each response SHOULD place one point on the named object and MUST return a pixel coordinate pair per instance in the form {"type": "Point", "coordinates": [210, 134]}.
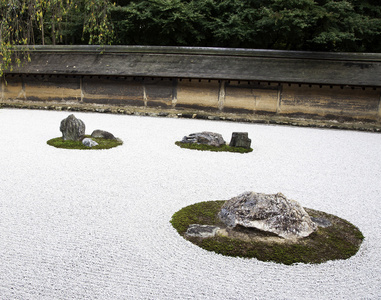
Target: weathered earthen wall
{"type": "Point", "coordinates": [336, 101]}
{"type": "Point", "coordinates": [216, 95]}
{"type": "Point", "coordinates": [266, 82]}
{"type": "Point", "coordinates": [198, 94]}
{"type": "Point", "coordinates": [252, 97]}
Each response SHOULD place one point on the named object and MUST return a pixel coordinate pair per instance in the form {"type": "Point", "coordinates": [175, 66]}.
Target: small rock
{"type": "Point", "coordinates": [202, 231]}
{"type": "Point", "coordinates": [72, 128]}
{"type": "Point", "coordinates": [102, 134]}
{"type": "Point", "coordinates": [240, 139]}
{"type": "Point", "coordinates": [321, 222]}
{"type": "Point", "coordinates": [206, 138]}
{"type": "Point", "coordinates": [89, 142]}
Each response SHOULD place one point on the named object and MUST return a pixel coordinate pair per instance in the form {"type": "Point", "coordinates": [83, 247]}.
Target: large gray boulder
{"type": "Point", "coordinates": [206, 138]}
{"type": "Point", "coordinates": [268, 212]}
{"type": "Point", "coordinates": [103, 134]}
{"type": "Point", "coordinates": [72, 129]}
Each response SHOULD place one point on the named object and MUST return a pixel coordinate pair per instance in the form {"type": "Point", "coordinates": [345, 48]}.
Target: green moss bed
{"type": "Point", "coordinates": [202, 147]}
{"type": "Point", "coordinates": [102, 143]}
{"type": "Point", "coordinates": [340, 240]}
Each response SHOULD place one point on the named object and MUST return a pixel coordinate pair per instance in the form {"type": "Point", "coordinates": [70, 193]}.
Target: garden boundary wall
{"type": "Point", "coordinates": [312, 85]}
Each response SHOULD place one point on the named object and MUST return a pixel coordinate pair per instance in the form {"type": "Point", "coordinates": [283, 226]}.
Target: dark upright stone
{"type": "Point", "coordinates": [240, 139]}
{"type": "Point", "coordinates": [72, 128]}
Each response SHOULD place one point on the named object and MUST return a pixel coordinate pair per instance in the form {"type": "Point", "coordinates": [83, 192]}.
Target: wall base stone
{"type": "Point", "coordinates": [317, 122]}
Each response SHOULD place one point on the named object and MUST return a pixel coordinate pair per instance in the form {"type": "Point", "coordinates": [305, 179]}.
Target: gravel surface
{"type": "Point", "coordinates": [95, 224]}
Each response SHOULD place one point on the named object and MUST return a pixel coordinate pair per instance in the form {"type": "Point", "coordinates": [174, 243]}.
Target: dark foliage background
{"type": "Point", "coordinates": [320, 25]}
{"type": "Point", "coordinates": [317, 25]}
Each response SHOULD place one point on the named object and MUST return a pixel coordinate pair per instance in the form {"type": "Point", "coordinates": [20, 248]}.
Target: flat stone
{"type": "Point", "coordinates": [206, 138]}
{"type": "Point", "coordinates": [203, 231]}
{"type": "Point", "coordinates": [268, 212]}
{"type": "Point", "coordinates": [102, 134]}
{"type": "Point", "coordinates": [321, 222]}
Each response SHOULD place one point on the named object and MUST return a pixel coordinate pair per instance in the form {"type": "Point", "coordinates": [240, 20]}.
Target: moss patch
{"type": "Point", "coordinates": [102, 143]}
{"type": "Point", "coordinates": [341, 240]}
{"type": "Point", "coordinates": [202, 147]}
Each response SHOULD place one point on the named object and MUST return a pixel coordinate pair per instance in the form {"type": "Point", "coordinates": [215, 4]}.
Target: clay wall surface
{"type": "Point", "coordinates": [252, 97]}
{"type": "Point", "coordinates": [331, 100]}
{"type": "Point", "coordinates": [273, 82]}
{"type": "Point", "coordinates": [195, 94]}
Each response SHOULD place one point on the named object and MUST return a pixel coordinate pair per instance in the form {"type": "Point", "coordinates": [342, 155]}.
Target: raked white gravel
{"type": "Point", "coordinates": [95, 224]}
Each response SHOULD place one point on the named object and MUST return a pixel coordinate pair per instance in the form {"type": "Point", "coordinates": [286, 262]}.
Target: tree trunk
{"type": "Point", "coordinates": [42, 31]}
{"type": "Point", "coordinates": [53, 31]}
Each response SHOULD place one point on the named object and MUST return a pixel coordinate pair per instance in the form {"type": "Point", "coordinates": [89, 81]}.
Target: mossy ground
{"type": "Point", "coordinates": [341, 240]}
{"type": "Point", "coordinates": [202, 147]}
{"type": "Point", "coordinates": [102, 143]}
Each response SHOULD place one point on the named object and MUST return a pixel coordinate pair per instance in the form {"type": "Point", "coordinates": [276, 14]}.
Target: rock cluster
{"type": "Point", "coordinates": [239, 139]}
{"type": "Point", "coordinates": [272, 213]}
{"type": "Point", "coordinates": [206, 138]}
{"type": "Point", "coordinates": [74, 129]}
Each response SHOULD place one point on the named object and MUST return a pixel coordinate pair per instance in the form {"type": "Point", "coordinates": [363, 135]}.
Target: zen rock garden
{"type": "Point", "coordinates": [73, 136]}
{"type": "Point", "coordinates": [269, 227]}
